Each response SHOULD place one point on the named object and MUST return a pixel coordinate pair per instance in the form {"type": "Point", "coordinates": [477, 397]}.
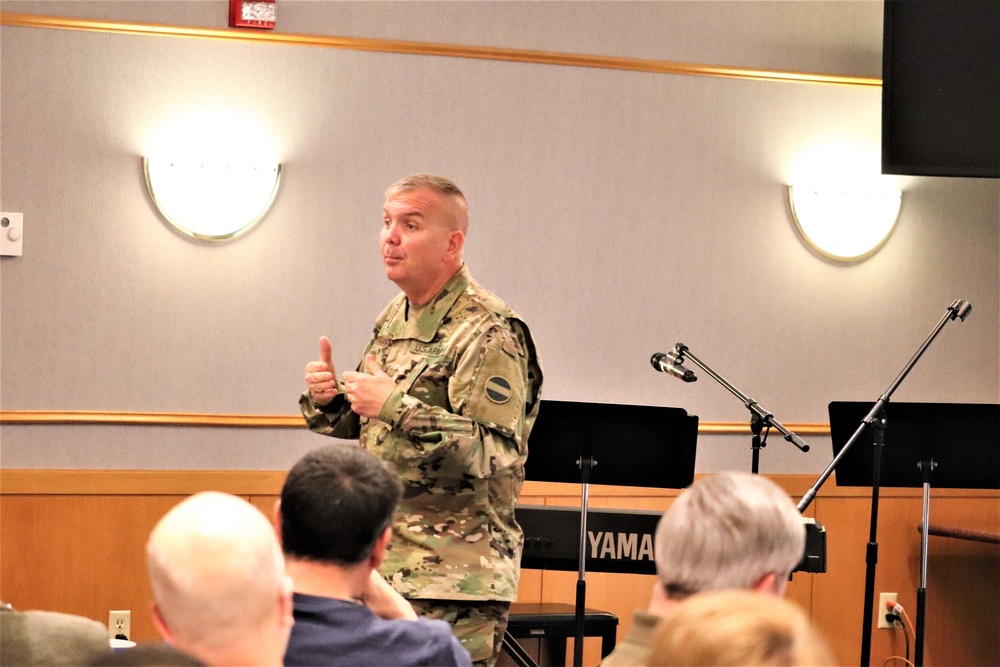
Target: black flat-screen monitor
{"type": "Point", "coordinates": [632, 445]}
{"type": "Point", "coordinates": [941, 88]}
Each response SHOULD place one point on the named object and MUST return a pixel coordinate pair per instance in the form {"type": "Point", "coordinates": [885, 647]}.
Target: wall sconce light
{"type": "Point", "coordinates": [843, 223]}
{"type": "Point", "coordinates": [211, 201]}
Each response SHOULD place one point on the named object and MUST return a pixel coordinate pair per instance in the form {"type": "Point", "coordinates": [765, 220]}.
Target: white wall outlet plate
{"type": "Point", "coordinates": [11, 234]}
{"type": "Point", "coordinates": [119, 624]}
{"type": "Point", "coordinates": [883, 599]}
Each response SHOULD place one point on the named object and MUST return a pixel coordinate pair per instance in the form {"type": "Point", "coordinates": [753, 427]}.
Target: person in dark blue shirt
{"type": "Point", "coordinates": [334, 518]}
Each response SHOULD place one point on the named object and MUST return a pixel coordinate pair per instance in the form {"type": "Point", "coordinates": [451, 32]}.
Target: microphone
{"type": "Point", "coordinates": [667, 363]}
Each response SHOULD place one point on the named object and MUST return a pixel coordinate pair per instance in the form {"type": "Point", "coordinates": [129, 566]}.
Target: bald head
{"type": "Point", "coordinates": [218, 579]}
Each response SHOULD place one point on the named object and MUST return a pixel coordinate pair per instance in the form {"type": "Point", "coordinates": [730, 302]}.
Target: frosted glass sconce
{"type": "Point", "coordinates": [844, 224]}
{"type": "Point", "coordinates": [211, 201]}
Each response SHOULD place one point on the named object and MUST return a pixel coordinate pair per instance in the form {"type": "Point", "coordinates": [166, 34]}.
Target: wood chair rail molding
{"type": "Point", "coordinates": [432, 49]}
{"type": "Point", "coordinates": [279, 421]}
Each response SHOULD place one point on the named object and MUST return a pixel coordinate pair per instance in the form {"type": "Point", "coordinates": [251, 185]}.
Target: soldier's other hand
{"type": "Point", "coordinates": [368, 392]}
{"type": "Point", "coordinates": [321, 377]}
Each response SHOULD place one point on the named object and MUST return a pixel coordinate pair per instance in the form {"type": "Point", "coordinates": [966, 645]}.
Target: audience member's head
{"type": "Point", "coordinates": [219, 583]}
{"type": "Point", "coordinates": [337, 506]}
{"type": "Point", "coordinates": [729, 530]}
{"type": "Point", "coordinates": [736, 627]}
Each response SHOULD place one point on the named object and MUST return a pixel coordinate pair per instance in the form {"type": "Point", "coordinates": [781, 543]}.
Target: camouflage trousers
{"type": "Point", "coordinates": [479, 625]}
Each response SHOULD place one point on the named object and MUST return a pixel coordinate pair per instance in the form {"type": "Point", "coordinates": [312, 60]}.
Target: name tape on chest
{"type": "Point", "coordinates": [429, 349]}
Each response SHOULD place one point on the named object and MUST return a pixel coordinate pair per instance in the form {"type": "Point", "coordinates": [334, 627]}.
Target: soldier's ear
{"type": "Point", "coordinates": [456, 240]}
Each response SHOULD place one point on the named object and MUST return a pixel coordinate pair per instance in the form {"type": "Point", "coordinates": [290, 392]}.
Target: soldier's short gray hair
{"type": "Point", "coordinates": [729, 530]}
{"type": "Point", "coordinates": [438, 184]}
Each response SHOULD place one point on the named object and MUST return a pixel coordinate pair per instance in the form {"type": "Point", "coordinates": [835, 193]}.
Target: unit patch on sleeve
{"type": "Point", "coordinates": [498, 389]}
{"type": "Point", "coordinates": [497, 396]}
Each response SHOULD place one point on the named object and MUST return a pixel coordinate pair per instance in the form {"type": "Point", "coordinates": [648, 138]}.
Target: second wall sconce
{"type": "Point", "coordinates": [211, 201]}
{"type": "Point", "coordinates": [842, 223]}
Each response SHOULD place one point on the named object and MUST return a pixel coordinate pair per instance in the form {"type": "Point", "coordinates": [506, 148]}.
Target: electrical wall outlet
{"type": "Point", "coordinates": [119, 624]}
{"type": "Point", "coordinates": [883, 599]}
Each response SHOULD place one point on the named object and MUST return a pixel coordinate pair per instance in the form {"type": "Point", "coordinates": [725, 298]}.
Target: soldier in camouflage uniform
{"type": "Point", "coordinates": [447, 393]}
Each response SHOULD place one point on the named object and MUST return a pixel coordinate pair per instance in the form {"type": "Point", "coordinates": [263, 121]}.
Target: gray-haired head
{"type": "Point", "coordinates": [728, 530]}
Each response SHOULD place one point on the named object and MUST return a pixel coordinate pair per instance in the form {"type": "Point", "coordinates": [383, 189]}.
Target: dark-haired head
{"type": "Point", "coordinates": [336, 503]}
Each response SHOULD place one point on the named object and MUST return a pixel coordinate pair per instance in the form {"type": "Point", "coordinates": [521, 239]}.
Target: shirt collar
{"type": "Point", "coordinates": [425, 326]}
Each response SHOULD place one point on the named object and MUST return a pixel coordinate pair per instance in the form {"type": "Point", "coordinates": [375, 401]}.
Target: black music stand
{"type": "Point", "coordinates": [603, 443]}
{"type": "Point", "coordinates": [955, 443]}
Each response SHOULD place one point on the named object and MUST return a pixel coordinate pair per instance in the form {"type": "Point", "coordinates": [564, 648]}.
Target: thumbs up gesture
{"type": "Point", "coordinates": [368, 391]}
{"type": "Point", "coordinates": [321, 375]}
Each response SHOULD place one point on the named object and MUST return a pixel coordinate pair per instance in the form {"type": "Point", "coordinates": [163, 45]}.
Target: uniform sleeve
{"type": "Point", "coordinates": [335, 419]}
{"type": "Point", "coordinates": [487, 393]}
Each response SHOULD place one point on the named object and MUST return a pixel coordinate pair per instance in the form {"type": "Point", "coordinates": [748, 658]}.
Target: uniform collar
{"type": "Point", "coordinates": [424, 326]}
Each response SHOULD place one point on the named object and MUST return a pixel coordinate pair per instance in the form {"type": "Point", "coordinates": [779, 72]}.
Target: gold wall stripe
{"type": "Point", "coordinates": [432, 49]}
{"type": "Point", "coordinates": [743, 428]}
{"type": "Point", "coordinates": [140, 482]}
{"type": "Point", "coordinates": [149, 418]}
{"type": "Point", "coordinates": [281, 421]}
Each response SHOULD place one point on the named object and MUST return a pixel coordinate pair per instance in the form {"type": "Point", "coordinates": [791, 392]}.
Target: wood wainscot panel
{"type": "Point", "coordinates": [963, 583]}
{"type": "Point", "coordinates": [74, 541]}
{"type": "Point", "coordinates": [80, 554]}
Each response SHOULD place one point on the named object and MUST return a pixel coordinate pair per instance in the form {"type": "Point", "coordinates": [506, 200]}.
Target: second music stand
{"type": "Point", "coordinates": [955, 443]}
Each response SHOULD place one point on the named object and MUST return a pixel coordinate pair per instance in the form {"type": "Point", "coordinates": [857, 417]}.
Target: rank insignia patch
{"type": "Point", "coordinates": [498, 389]}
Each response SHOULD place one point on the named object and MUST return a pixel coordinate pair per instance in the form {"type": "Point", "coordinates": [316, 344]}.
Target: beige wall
{"type": "Point", "coordinates": [619, 212]}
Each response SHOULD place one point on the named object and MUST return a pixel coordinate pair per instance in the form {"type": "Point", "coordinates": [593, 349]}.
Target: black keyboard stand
{"type": "Point", "coordinates": [554, 623]}
{"type": "Point", "coordinates": [517, 652]}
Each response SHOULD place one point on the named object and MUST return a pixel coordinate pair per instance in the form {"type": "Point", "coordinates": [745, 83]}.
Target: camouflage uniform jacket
{"type": "Point", "coordinates": [456, 430]}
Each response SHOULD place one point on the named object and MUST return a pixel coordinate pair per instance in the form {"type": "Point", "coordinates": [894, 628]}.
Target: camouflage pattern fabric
{"type": "Point", "coordinates": [456, 430]}
{"type": "Point", "coordinates": [478, 626]}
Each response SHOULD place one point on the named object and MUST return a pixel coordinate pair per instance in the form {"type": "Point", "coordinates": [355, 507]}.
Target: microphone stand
{"type": "Point", "coordinates": [759, 417]}
{"type": "Point", "coordinates": [876, 420]}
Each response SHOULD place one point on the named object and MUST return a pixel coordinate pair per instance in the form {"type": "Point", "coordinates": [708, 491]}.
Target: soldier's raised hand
{"type": "Point", "coordinates": [321, 378]}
